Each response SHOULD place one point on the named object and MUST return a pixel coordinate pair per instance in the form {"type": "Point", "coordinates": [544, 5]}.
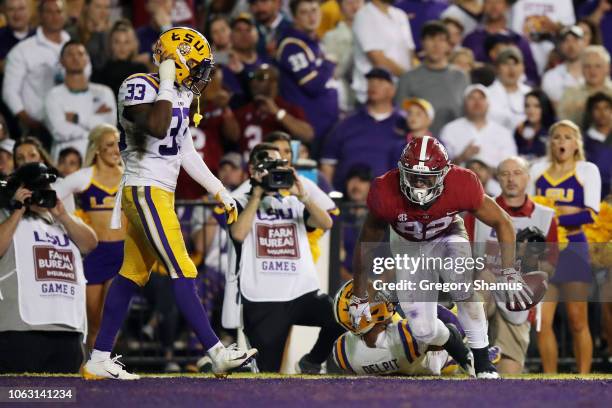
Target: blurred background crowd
{"type": "Point", "coordinates": [351, 82]}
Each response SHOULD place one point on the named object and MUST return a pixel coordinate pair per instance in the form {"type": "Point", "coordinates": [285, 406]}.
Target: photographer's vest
{"type": "Point", "coordinates": [50, 285]}
{"type": "Point", "coordinates": [274, 262]}
{"type": "Point", "coordinates": [530, 214]}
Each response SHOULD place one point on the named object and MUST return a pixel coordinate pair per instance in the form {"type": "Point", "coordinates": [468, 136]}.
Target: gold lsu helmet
{"type": "Point", "coordinates": [191, 53]}
{"type": "Point", "coordinates": [381, 308]}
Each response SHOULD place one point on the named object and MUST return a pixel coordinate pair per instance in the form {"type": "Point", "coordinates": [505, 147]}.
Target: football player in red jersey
{"type": "Point", "coordinates": [420, 201]}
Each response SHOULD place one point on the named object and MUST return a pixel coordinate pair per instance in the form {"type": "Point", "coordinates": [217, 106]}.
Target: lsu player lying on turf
{"type": "Point", "coordinates": [420, 201]}
{"type": "Point", "coordinates": [155, 142]}
{"type": "Point", "coordinates": [385, 345]}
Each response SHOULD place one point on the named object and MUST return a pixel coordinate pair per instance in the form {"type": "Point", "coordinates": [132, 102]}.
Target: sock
{"type": "Point", "coordinates": [471, 315]}
{"type": "Point", "coordinates": [215, 350]}
{"type": "Point", "coordinates": [116, 307]}
{"type": "Point", "coordinates": [193, 311]}
{"type": "Point", "coordinates": [481, 359]}
{"type": "Point", "coordinates": [455, 347]}
{"type": "Point", "coordinates": [97, 355]}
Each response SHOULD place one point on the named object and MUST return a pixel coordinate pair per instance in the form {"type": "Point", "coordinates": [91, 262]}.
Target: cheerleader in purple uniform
{"type": "Point", "coordinates": [95, 187]}
{"type": "Point", "coordinates": [575, 187]}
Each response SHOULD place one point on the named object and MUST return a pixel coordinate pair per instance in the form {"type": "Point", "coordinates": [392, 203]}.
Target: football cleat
{"type": "Point", "coordinates": [484, 368]}
{"type": "Point", "coordinates": [306, 367]}
{"type": "Point", "coordinates": [231, 358]}
{"type": "Point", "coordinates": [109, 368]}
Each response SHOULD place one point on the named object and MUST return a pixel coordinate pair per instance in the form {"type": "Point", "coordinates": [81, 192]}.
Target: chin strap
{"type": "Point", "coordinates": [197, 117]}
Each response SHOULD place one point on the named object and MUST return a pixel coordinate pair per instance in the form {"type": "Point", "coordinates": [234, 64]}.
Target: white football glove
{"type": "Point", "coordinates": [229, 204]}
{"type": "Point", "coordinates": [523, 296]}
{"type": "Point", "coordinates": [167, 71]}
{"type": "Point", "coordinates": [359, 307]}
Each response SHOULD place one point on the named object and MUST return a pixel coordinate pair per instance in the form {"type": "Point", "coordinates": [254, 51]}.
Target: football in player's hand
{"type": "Point", "coordinates": [538, 283]}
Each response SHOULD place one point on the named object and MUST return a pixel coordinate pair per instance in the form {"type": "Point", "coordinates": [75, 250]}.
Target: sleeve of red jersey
{"type": "Point", "coordinates": [471, 191]}
{"type": "Point", "coordinates": [376, 199]}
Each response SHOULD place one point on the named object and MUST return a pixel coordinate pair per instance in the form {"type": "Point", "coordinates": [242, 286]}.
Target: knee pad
{"type": "Point", "coordinates": [429, 331]}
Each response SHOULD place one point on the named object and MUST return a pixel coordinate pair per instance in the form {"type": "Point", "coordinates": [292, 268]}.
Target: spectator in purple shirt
{"type": "Point", "coordinates": [600, 12]}
{"type": "Point", "coordinates": [373, 135]}
{"type": "Point", "coordinates": [306, 76]}
{"type": "Point", "coordinates": [419, 12]}
{"type": "Point", "coordinates": [495, 23]}
{"type": "Point", "coordinates": [243, 57]}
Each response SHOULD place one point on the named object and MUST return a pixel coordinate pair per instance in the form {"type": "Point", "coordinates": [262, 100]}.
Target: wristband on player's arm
{"type": "Point", "coordinates": [165, 91]}
{"type": "Point", "coordinates": [167, 74]}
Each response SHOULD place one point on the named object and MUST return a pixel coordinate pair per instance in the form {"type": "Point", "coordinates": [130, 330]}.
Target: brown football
{"type": "Point", "coordinates": [538, 283]}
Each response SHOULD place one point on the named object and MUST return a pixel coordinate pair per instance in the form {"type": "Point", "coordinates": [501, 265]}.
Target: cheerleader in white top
{"type": "Point", "coordinates": [575, 187]}
{"type": "Point", "coordinates": [95, 187]}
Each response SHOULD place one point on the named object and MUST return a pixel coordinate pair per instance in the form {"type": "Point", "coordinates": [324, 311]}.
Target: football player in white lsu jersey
{"type": "Point", "coordinates": [155, 142]}
{"type": "Point", "coordinates": [385, 345]}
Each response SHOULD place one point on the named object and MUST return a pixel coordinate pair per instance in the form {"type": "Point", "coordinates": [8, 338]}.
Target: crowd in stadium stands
{"type": "Point", "coordinates": [351, 81]}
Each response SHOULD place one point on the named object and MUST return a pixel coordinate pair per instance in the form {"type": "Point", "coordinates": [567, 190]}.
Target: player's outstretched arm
{"type": "Point", "coordinates": [372, 231]}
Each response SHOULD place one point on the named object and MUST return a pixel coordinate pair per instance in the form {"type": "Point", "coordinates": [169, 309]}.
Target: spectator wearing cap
{"type": "Point", "coordinates": [596, 71]}
{"type": "Point", "coordinates": [598, 137]}
{"type": "Point", "coordinates": [495, 30]}
{"type": "Point", "coordinates": [17, 27]}
{"type": "Point", "coordinates": [6, 157]}
{"type": "Point", "coordinates": [243, 58]}
{"type": "Point", "coordinates": [372, 135]}
{"type": "Point", "coordinates": [74, 108]}
{"type": "Point", "coordinates": [268, 112]}
{"type": "Point", "coordinates": [357, 186]}
{"type": "Point", "coordinates": [568, 74]}
{"type": "Point", "coordinates": [32, 67]}
{"type": "Point", "coordinates": [419, 117]}
{"type": "Point", "coordinates": [338, 44]}
{"type": "Point", "coordinates": [474, 136]}
{"type": "Point", "coordinates": [507, 93]}
{"type": "Point", "coordinates": [531, 135]}
{"type": "Point", "coordinates": [232, 170]}
{"type": "Point", "coordinates": [271, 23]}
{"type": "Point", "coordinates": [540, 21]}
{"type": "Point", "coordinates": [435, 80]}
{"type": "Point", "coordinates": [306, 75]}
{"type": "Point", "coordinates": [382, 39]}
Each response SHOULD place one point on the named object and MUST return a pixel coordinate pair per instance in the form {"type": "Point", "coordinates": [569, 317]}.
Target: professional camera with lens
{"type": "Point", "coordinates": [277, 178]}
{"type": "Point", "coordinates": [37, 178]}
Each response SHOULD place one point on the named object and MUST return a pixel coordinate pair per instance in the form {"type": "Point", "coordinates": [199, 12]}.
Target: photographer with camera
{"type": "Point", "coordinates": [277, 277]}
{"type": "Point", "coordinates": [42, 286]}
{"type": "Point", "coordinates": [536, 227]}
